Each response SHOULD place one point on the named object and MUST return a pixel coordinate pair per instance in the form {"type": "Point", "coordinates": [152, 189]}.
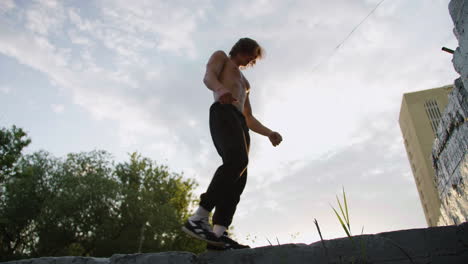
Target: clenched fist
{"type": "Point", "coordinates": [275, 138]}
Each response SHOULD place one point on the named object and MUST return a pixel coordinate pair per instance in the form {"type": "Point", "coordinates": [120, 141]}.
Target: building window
{"type": "Point", "coordinates": [433, 113]}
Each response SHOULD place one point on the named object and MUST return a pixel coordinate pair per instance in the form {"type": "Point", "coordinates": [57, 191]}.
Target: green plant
{"type": "Point", "coordinates": [344, 215]}
{"type": "Point", "coordinates": [345, 223]}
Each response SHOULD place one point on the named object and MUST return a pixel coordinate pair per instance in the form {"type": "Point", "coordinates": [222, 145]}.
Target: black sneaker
{"type": "Point", "coordinates": [201, 229]}
{"type": "Point", "coordinates": [229, 244]}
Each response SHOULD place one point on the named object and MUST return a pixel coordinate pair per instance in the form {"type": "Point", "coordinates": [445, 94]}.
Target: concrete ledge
{"type": "Point", "coordinates": [61, 260]}
{"type": "Point", "coordinates": [448, 244]}
{"type": "Point", "coordinates": [173, 257]}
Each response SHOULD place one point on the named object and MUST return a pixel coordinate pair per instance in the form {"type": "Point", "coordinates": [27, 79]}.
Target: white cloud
{"type": "Point", "coordinates": [6, 5]}
{"type": "Point", "coordinates": [143, 25]}
{"type": "Point", "coordinates": [57, 108]}
{"type": "Point", "coordinates": [45, 16]}
{"type": "Point", "coordinates": [142, 111]}
{"type": "Point", "coordinates": [171, 24]}
{"type": "Point", "coordinates": [153, 75]}
{"type": "Point", "coordinates": [5, 89]}
{"type": "Point", "coordinates": [52, 4]}
{"type": "Point", "coordinates": [76, 38]}
{"type": "Point", "coordinates": [76, 19]}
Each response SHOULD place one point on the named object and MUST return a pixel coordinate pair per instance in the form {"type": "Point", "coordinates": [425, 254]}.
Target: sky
{"type": "Point", "coordinates": [125, 76]}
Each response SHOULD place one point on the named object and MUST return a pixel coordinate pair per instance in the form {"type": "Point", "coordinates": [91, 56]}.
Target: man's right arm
{"type": "Point", "coordinates": [213, 69]}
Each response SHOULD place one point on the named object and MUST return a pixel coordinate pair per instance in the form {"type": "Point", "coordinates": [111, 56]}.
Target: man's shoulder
{"type": "Point", "coordinates": [220, 54]}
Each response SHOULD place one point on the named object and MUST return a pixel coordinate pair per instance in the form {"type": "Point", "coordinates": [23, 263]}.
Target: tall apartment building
{"type": "Point", "coordinates": [420, 115]}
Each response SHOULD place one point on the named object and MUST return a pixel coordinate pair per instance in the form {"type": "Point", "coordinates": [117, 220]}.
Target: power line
{"type": "Point", "coordinates": [350, 33]}
{"type": "Point", "coordinates": [360, 23]}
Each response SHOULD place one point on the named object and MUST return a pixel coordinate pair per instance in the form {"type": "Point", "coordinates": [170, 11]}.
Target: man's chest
{"type": "Point", "coordinates": [232, 75]}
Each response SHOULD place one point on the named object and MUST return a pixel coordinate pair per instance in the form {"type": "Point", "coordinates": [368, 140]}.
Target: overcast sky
{"type": "Point", "coordinates": [126, 76]}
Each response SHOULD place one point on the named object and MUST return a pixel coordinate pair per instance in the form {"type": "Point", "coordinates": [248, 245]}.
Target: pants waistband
{"type": "Point", "coordinates": [231, 106]}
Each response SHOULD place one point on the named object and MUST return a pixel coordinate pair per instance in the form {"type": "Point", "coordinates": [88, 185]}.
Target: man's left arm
{"type": "Point", "coordinates": [258, 127]}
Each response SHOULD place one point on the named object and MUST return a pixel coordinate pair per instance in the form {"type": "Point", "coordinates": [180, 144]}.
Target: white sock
{"type": "Point", "coordinates": [199, 214]}
{"type": "Point", "coordinates": [219, 230]}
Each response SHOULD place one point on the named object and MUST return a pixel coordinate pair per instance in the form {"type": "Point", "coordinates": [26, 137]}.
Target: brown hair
{"type": "Point", "coordinates": [248, 46]}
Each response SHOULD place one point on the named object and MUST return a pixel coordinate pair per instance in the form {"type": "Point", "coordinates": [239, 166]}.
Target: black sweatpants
{"type": "Point", "coordinates": [231, 138]}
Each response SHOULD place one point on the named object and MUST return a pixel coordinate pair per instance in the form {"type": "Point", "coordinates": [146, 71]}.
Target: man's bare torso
{"type": "Point", "coordinates": [232, 80]}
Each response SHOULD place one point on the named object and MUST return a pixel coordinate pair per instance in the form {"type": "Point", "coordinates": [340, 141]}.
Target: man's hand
{"type": "Point", "coordinates": [275, 138]}
{"type": "Point", "coordinates": [227, 98]}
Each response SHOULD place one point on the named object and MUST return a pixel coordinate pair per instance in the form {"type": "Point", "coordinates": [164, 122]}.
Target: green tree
{"type": "Point", "coordinates": [14, 188]}
{"type": "Point", "coordinates": [154, 205]}
{"type": "Point", "coordinates": [86, 205]}
{"type": "Point", "coordinates": [12, 143]}
{"type": "Point", "coordinates": [26, 195]}
{"type": "Point", "coordinates": [80, 207]}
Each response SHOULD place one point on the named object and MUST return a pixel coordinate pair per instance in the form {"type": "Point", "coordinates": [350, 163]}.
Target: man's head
{"type": "Point", "coordinates": [246, 52]}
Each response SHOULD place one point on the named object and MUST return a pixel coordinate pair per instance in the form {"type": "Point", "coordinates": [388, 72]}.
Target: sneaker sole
{"type": "Point", "coordinates": [186, 230]}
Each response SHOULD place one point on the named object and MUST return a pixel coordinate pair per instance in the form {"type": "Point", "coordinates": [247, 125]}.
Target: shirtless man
{"type": "Point", "coordinates": [230, 120]}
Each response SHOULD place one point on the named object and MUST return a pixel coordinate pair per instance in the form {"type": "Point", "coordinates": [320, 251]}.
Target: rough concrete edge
{"type": "Point", "coordinates": [427, 250]}
{"type": "Point", "coordinates": [169, 256]}
{"type": "Point", "coordinates": [462, 233]}
{"type": "Point", "coordinates": [459, 231]}
{"type": "Point", "coordinates": [58, 260]}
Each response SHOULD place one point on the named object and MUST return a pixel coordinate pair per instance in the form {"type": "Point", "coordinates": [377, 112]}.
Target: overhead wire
{"type": "Point", "coordinates": [349, 35]}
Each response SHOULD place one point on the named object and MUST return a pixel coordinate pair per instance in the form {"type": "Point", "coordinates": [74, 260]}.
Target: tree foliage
{"type": "Point", "coordinates": [88, 205]}
{"type": "Point", "coordinates": [12, 142]}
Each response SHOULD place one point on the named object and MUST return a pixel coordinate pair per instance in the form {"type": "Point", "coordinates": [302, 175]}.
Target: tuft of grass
{"type": "Point", "coordinates": [344, 217]}
{"type": "Point", "coordinates": [346, 224]}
